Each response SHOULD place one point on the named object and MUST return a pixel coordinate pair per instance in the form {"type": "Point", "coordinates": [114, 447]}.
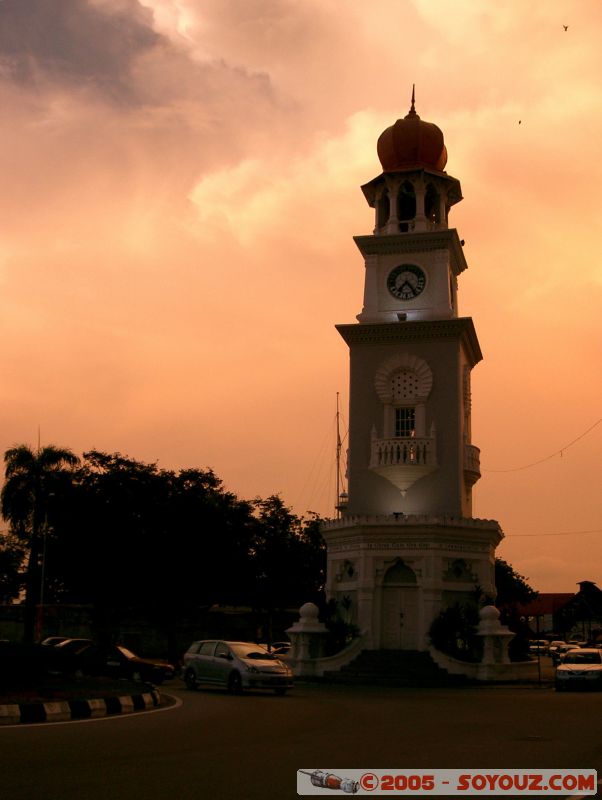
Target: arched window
{"type": "Point", "coordinates": [406, 206]}
{"type": "Point", "coordinates": [431, 204]}
{"type": "Point", "coordinates": [403, 384]}
{"type": "Point", "coordinates": [405, 387]}
{"type": "Point", "coordinates": [399, 575]}
{"type": "Point", "coordinates": [383, 210]}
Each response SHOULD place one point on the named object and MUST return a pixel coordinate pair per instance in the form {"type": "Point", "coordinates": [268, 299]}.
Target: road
{"type": "Point", "coordinates": [226, 747]}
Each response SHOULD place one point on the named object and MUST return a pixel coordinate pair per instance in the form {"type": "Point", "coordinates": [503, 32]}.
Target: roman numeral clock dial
{"type": "Point", "coordinates": [406, 281]}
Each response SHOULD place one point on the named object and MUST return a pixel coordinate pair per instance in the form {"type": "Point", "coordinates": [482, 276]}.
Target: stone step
{"type": "Point", "coordinates": [394, 668]}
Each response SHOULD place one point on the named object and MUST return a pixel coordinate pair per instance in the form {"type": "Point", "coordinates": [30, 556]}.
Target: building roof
{"type": "Point", "coordinates": [545, 603]}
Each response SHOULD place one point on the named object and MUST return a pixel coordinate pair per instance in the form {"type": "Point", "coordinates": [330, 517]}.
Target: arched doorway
{"type": "Point", "coordinates": [399, 608]}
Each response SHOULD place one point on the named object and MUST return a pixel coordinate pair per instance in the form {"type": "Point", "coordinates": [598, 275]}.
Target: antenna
{"type": "Point", "coordinates": [338, 494]}
{"type": "Point", "coordinates": [341, 496]}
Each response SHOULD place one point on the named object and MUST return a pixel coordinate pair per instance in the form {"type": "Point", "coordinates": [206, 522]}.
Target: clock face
{"type": "Point", "coordinates": [406, 281]}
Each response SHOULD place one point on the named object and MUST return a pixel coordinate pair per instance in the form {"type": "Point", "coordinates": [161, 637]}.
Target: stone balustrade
{"type": "Point", "coordinates": [403, 452]}
{"type": "Point", "coordinates": [472, 463]}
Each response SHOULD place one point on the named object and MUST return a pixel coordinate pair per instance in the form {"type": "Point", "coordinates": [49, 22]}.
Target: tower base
{"type": "Point", "coordinates": [392, 575]}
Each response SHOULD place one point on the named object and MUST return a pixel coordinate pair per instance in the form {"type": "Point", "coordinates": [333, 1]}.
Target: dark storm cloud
{"type": "Point", "coordinates": [108, 52]}
{"type": "Point", "coordinates": [75, 43]}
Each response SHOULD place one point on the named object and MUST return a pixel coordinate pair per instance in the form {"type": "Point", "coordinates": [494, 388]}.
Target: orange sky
{"type": "Point", "coordinates": [180, 191]}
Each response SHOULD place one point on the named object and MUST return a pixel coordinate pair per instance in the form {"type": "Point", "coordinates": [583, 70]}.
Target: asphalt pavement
{"type": "Point", "coordinates": [224, 747]}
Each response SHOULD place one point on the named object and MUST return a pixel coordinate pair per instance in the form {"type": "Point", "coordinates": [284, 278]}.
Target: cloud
{"type": "Point", "coordinates": [75, 44]}
{"type": "Point", "coordinates": [180, 192]}
{"type": "Point", "coordinates": [111, 122]}
{"type": "Point", "coordinates": [256, 200]}
{"type": "Point", "coordinates": [61, 60]}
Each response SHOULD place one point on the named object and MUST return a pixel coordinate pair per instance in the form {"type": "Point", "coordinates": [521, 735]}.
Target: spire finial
{"type": "Point", "coordinates": [412, 112]}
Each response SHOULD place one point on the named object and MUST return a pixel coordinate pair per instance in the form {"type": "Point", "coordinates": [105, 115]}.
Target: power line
{"type": "Point", "coordinates": [553, 455]}
{"type": "Point", "coordinates": [560, 533]}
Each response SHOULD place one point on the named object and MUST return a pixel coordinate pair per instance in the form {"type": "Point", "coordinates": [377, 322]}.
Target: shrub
{"type": "Point", "coordinates": [453, 632]}
{"type": "Point", "coordinates": [340, 632]}
{"type": "Point", "coordinates": [28, 664]}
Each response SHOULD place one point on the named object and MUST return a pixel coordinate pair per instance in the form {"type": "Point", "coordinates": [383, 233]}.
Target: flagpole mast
{"type": "Point", "coordinates": [338, 483]}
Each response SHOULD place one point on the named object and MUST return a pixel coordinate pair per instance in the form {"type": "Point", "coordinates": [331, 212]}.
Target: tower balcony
{"type": "Point", "coordinates": [472, 464]}
{"type": "Point", "coordinates": [403, 461]}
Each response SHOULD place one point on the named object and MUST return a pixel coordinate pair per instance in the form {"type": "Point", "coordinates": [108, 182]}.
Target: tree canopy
{"type": "Point", "coordinates": [512, 588]}
{"type": "Point", "coordinates": [34, 479]}
{"type": "Point", "coordinates": [122, 535]}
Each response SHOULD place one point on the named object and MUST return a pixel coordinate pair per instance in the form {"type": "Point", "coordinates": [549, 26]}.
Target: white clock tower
{"type": "Point", "coordinates": [406, 545]}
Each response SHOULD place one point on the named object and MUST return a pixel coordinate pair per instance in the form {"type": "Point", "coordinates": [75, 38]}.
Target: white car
{"type": "Point", "coordinates": [580, 668]}
{"type": "Point", "coordinates": [559, 652]}
{"type": "Point", "coordinates": [235, 665]}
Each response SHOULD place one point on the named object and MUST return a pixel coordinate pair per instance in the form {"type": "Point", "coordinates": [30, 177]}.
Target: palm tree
{"type": "Point", "coordinates": [31, 479]}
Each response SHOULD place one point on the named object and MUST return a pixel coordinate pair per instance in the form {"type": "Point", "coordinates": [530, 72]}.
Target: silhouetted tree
{"type": "Point", "coordinates": [512, 592]}
{"type": "Point", "coordinates": [127, 537]}
{"type": "Point", "coordinates": [12, 554]}
{"type": "Point", "coordinates": [511, 587]}
{"type": "Point", "coordinates": [138, 539]}
{"type": "Point", "coordinates": [288, 558]}
{"type": "Point", "coordinates": [32, 478]}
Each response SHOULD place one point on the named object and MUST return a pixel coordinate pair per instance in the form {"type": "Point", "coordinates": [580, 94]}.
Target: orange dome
{"type": "Point", "coordinates": [410, 142]}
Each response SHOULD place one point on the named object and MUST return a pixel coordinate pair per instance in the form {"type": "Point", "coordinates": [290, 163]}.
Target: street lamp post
{"type": "Point", "coordinates": [40, 616]}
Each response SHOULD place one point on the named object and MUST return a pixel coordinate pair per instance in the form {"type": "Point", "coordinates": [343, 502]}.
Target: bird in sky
{"type": "Point", "coordinates": [566, 27]}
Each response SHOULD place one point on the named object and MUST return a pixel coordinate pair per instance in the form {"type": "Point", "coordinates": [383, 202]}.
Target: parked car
{"type": "Point", "coordinates": [277, 648]}
{"type": "Point", "coordinates": [52, 641]}
{"type": "Point", "coordinates": [538, 646]}
{"type": "Point", "coordinates": [235, 665]}
{"type": "Point", "coordinates": [581, 668]}
{"type": "Point", "coordinates": [72, 646]}
{"type": "Point", "coordinates": [281, 648]}
{"type": "Point", "coordinates": [561, 651]}
{"type": "Point", "coordinates": [61, 657]}
{"type": "Point", "coordinates": [118, 662]}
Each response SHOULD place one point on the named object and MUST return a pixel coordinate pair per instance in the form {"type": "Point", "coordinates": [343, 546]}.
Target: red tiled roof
{"type": "Point", "coordinates": [545, 603]}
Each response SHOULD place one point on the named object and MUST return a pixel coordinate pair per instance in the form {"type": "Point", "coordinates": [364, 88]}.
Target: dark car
{"type": "Point", "coordinates": [62, 657]}
{"type": "Point", "coordinates": [52, 641]}
{"type": "Point", "coordinates": [72, 646]}
{"type": "Point", "coordinates": [119, 662]}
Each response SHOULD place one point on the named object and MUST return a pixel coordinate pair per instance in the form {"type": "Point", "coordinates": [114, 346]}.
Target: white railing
{"type": "Point", "coordinates": [472, 462]}
{"type": "Point", "coordinates": [410, 451]}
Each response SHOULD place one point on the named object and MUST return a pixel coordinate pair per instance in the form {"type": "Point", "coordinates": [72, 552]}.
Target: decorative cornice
{"type": "Point", "coordinates": [460, 328]}
{"type": "Point", "coordinates": [410, 531]}
{"type": "Point", "coordinates": [414, 547]}
{"type": "Point", "coordinates": [401, 243]}
{"type": "Point", "coordinates": [354, 521]}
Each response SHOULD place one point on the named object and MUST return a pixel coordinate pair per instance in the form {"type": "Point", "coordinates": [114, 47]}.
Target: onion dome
{"type": "Point", "coordinates": [412, 144]}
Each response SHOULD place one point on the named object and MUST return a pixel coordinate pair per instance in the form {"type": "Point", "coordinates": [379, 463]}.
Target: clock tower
{"type": "Point", "coordinates": [406, 545]}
